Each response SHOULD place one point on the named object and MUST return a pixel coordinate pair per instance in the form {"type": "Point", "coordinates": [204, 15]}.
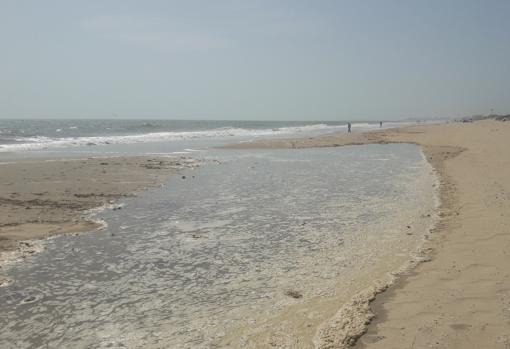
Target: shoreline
{"type": "Point", "coordinates": [358, 314]}
{"type": "Point", "coordinates": [354, 317]}
{"type": "Point", "coordinates": [333, 320]}
{"type": "Point", "coordinates": [429, 307]}
{"type": "Point", "coordinates": [417, 310]}
{"type": "Point", "coordinates": [453, 293]}
{"type": "Point", "coordinates": [41, 198]}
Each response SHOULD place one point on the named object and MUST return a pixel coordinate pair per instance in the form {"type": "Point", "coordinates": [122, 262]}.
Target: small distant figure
{"type": "Point", "coordinates": [380, 123]}
{"type": "Point", "coordinates": [348, 127]}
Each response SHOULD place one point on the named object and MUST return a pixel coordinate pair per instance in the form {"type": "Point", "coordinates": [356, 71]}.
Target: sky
{"type": "Point", "coordinates": [254, 60]}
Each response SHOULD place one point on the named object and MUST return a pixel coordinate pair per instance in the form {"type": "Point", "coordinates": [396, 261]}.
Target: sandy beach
{"type": "Point", "coordinates": [40, 198]}
{"type": "Point", "coordinates": [459, 298]}
{"type": "Point", "coordinates": [456, 296]}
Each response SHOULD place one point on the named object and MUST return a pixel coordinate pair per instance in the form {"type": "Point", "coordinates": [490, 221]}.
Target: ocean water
{"type": "Point", "coordinates": [208, 261]}
{"type": "Point", "coordinates": [110, 136]}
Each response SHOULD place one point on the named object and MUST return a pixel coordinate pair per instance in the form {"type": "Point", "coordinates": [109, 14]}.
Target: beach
{"type": "Point", "coordinates": [454, 292]}
{"type": "Point", "coordinates": [460, 297]}
{"type": "Point", "coordinates": [255, 175]}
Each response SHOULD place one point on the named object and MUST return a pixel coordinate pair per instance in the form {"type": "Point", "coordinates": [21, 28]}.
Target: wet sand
{"type": "Point", "coordinates": [459, 298]}
{"type": "Point", "coordinates": [40, 198]}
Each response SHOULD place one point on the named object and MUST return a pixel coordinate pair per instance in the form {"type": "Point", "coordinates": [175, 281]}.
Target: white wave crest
{"type": "Point", "coordinates": [37, 143]}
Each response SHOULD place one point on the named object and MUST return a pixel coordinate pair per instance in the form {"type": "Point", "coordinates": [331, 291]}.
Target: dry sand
{"type": "Point", "coordinates": [41, 198]}
{"type": "Point", "coordinates": [460, 298]}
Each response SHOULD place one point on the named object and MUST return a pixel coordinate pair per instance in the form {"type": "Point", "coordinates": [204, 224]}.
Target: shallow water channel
{"type": "Point", "coordinates": [180, 264]}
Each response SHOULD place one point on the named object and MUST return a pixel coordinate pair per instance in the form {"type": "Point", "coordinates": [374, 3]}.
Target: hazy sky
{"type": "Point", "coordinates": [259, 60]}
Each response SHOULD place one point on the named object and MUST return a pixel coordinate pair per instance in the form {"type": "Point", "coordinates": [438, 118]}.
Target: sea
{"type": "Point", "coordinates": [146, 136]}
{"type": "Point", "coordinates": [255, 248]}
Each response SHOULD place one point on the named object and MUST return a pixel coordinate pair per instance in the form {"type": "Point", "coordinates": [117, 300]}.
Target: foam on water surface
{"type": "Point", "coordinates": [209, 260]}
{"type": "Point", "coordinates": [43, 142]}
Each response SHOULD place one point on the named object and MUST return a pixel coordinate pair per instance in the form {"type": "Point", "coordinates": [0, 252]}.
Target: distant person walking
{"type": "Point", "coordinates": [348, 127]}
{"type": "Point", "coordinates": [380, 123]}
